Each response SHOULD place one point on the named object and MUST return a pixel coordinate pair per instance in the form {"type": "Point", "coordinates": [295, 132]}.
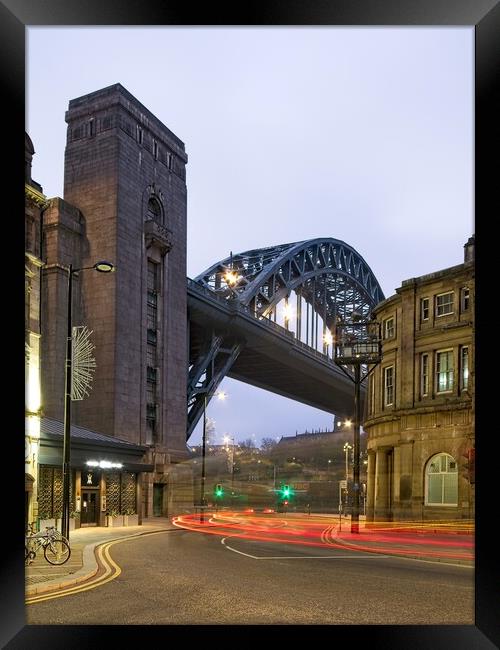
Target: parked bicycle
{"type": "Point", "coordinates": [56, 549]}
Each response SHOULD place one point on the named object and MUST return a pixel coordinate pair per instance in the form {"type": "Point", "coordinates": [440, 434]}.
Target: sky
{"type": "Point", "coordinates": [361, 134]}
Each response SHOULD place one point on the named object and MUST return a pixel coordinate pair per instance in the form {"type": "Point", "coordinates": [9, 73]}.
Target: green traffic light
{"type": "Point", "coordinates": [286, 491]}
{"type": "Point", "coordinates": [219, 491]}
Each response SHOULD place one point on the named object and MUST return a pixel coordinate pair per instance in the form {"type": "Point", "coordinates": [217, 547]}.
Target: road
{"type": "Point", "coordinates": [187, 577]}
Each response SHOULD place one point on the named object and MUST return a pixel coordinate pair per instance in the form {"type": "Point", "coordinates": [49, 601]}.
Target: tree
{"type": "Point", "coordinates": [268, 444]}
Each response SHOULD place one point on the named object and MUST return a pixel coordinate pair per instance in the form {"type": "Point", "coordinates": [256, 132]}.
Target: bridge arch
{"type": "Point", "coordinates": [331, 276]}
{"type": "Point", "coordinates": [326, 278]}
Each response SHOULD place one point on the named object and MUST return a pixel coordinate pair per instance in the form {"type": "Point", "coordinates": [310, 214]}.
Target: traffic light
{"type": "Point", "coordinates": [218, 490]}
{"type": "Point", "coordinates": [286, 492]}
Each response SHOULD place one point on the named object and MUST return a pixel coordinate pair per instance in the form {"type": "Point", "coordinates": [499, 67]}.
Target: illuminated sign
{"type": "Point", "coordinates": [104, 464]}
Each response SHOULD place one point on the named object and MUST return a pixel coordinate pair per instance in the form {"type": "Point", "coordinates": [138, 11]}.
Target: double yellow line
{"type": "Point", "coordinates": [112, 571]}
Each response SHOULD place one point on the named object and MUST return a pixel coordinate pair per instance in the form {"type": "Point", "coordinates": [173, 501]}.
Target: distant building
{"type": "Point", "coordinates": [420, 407]}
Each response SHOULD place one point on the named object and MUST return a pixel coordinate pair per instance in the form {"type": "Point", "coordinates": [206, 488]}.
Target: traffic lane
{"type": "Point", "coordinates": [191, 578]}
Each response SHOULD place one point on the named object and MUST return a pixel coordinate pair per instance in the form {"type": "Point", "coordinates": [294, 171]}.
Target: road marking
{"type": "Point", "coordinates": [366, 556]}
{"type": "Point", "coordinates": [106, 561]}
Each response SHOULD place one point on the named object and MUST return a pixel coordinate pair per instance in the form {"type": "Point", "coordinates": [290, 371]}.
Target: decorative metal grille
{"type": "Point", "coordinates": [50, 493]}
{"type": "Point", "coordinates": [113, 492]}
{"type": "Point", "coordinates": [45, 493]}
{"type": "Point", "coordinates": [57, 501]}
{"type": "Point", "coordinates": [128, 494]}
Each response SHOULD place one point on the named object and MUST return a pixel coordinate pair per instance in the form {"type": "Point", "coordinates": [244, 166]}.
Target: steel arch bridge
{"type": "Point", "coordinates": [294, 291]}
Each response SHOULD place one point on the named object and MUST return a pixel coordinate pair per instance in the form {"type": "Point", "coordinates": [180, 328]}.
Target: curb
{"type": "Point", "coordinates": [85, 573]}
{"type": "Point", "coordinates": [81, 575]}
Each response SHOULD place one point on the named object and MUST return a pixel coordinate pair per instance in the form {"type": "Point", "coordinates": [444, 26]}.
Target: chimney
{"type": "Point", "coordinates": [469, 249]}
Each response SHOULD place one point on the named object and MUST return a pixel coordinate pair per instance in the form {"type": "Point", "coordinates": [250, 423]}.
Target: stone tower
{"type": "Point", "coordinates": [125, 173]}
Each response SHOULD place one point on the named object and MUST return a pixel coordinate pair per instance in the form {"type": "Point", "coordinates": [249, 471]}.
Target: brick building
{"type": "Point", "coordinates": [420, 415]}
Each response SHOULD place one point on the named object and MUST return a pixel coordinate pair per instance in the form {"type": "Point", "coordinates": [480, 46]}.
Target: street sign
{"type": "Point", "coordinates": [343, 484]}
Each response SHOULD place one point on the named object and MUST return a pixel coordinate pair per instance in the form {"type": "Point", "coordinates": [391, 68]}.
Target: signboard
{"type": "Point", "coordinates": [343, 484]}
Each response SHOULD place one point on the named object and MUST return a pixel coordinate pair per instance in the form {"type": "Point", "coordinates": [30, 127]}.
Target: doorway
{"type": "Point", "coordinates": [157, 499]}
{"type": "Point", "coordinates": [89, 510]}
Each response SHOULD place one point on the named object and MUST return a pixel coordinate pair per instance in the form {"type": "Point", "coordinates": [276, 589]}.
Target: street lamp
{"type": "Point", "coordinates": [221, 396]}
{"type": "Point", "coordinates": [347, 447]}
{"type": "Point", "coordinates": [358, 346]}
{"type": "Point", "coordinates": [101, 267]}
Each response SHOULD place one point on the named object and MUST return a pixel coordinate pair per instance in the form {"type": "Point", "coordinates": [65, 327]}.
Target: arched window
{"type": "Point", "coordinates": [441, 481]}
{"type": "Point", "coordinates": [154, 210]}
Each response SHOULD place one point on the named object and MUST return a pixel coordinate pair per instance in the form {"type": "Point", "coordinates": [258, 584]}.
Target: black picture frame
{"type": "Point", "coordinates": [484, 15]}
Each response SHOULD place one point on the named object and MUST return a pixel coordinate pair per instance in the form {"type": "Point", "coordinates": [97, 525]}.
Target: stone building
{"type": "Point", "coordinates": [420, 407]}
{"type": "Point", "coordinates": [124, 202]}
{"type": "Point", "coordinates": [35, 202]}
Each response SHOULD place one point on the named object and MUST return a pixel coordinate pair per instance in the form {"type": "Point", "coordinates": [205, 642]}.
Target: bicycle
{"type": "Point", "coordinates": [56, 548]}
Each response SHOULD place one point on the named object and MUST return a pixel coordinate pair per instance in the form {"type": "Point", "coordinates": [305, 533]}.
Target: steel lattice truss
{"type": "Point", "coordinates": [328, 273]}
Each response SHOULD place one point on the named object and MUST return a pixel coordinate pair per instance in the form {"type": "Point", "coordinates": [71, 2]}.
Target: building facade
{"type": "Point", "coordinates": [420, 406]}
{"type": "Point", "coordinates": [35, 202]}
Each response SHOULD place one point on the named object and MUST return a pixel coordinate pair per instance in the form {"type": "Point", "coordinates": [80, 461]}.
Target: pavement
{"type": "Point", "coordinates": [448, 544]}
{"type": "Point", "coordinates": [43, 578]}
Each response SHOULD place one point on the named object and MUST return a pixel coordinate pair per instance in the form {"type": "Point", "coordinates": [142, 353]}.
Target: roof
{"type": "Point", "coordinates": [56, 428]}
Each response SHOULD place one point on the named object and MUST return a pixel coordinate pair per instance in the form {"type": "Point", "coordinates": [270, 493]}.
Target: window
{"type": "Point", "coordinates": [155, 149]}
{"type": "Point", "coordinates": [444, 304]}
{"type": "Point", "coordinates": [388, 386]}
{"type": "Point", "coordinates": [151, 356]}
{"type": "Point", "coordinates": [153, 284]}
{"type": "Point", "coordinates": [441, 481]}
{"type": "Point", "coordinates": [424, 309]}
{"type": "Point", "coordinates": [444, 371]}
{"type": "Point", "coordinates": [154, 210]}
{"type": "Point", "coordinates": [465, 298]}
{"type": "Point", "coordinates": [464, 367]}
{"type": "Point", "coordinates": [91, 127]}
{"type": "Point", "coordinates": [389, 329]}
{"type": "Point", "coordinates": [139, 134]}
{"type": "Point", "coordinates": [424, 375]}
{"type": "Point", "coordinates": [151, 423]}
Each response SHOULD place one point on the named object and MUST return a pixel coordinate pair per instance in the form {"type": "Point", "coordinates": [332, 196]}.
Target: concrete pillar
{"type": "Point", "coordinates": [381, 507]}
{"type": "Point", "coordinates": [370, 487]}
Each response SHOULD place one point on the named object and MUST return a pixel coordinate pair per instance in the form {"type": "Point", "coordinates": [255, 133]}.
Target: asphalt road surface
{"type": "Point", "coordinates": [183, 577]}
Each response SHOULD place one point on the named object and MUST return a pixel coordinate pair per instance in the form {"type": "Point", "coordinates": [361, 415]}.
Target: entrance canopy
{"type": "Point", "coordinates": [90, 447]}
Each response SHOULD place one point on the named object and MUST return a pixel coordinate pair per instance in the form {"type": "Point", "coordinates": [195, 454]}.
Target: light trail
{"type": "Point", "coordinates": [434, 541]}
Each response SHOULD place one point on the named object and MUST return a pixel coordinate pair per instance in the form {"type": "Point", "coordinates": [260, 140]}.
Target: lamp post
{"type": "Point", "coordinates": [358, 344]}
{"type": "Point", "coordinates": [102, 267]}
{"type": "Point", "coordinates": [347, 446]}
{"type": "Point", "coordinates": [221, 396]}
